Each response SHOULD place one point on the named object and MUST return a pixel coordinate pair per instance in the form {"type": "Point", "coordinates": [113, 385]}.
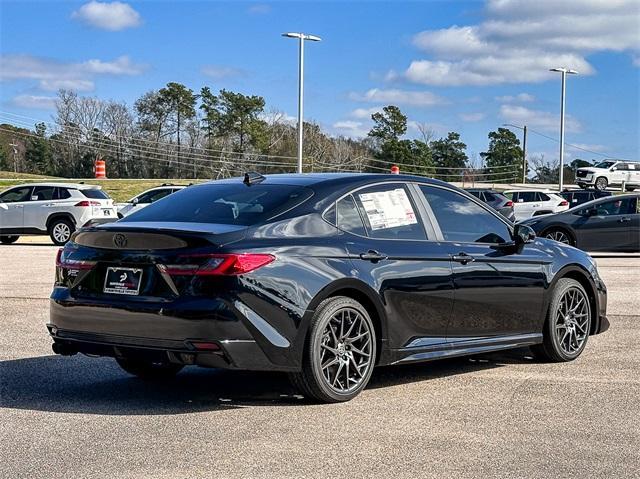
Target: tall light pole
{"type": "Point", "coordinates": [564, 72]}
{"type": "Point", "coordinates": [524, 149]}
{"type": "Point", "coordinates": [301, 37]}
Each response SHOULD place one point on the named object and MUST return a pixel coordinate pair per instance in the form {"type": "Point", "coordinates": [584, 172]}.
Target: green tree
{"type": "Point", "coordinates": [38, 152]}
{"type": "Point", "coordinates": [180, 103]}
{"type": "Point", "coordinates": [449, 156]}
{"type": "Point", "coordinates": [413, 156]}
{"type": "Point", "coordinates": [503, 158]}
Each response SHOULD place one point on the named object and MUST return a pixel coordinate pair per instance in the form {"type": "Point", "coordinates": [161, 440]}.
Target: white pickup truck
{"type": "Point", "coordinates": [610, 173]}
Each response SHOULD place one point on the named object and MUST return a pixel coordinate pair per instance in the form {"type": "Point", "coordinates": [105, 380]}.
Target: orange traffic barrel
{"type": "Point", "coordinates": [101, 169]}
{"type": "Point", "coordinates": [395, 170]}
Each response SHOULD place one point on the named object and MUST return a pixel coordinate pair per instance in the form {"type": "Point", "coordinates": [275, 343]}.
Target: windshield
{"type": "Point", "coordinates": [605, 164]}
{"type": "Point", "coordinates": [223, 203]}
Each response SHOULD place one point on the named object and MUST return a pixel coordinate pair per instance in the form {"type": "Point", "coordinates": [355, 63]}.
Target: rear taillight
{"type": "Point", "coordinates": [87, 203]}
{"type": "Point", "coordinates": [217, 264]}
{"type": "Point", "coordinates": [564, 203]}
{"type": "Point", "coordinates": [63, 261]}
{"type": "Point", "coordinates": [509, 204]}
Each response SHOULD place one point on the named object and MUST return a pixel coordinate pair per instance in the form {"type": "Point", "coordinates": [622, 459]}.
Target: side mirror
{"type": "Point", "coordinates": [613, 168]}
{"type": "Point", "coordinates": [523, 234]}
{"type": "Point", "coordinates": [135, 201]}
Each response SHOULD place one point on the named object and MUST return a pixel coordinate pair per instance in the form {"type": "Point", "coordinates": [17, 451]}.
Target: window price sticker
{"type": "Point", "coordinates": [388, 209]}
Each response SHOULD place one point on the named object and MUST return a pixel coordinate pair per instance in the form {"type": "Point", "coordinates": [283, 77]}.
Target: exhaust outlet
{"type": "Point", "coordinates": [64, 349]}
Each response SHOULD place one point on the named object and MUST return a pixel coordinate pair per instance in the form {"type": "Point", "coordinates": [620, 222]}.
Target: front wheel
{"type": "Point", "coordinates": [601, 183]}
{"type": "Point", "coordinates": [340, 352]}
{"type": "Point", "coordinates": [60, 231]}
{"type": "Point", "coordinates": [149, 370]}
{"type": "Point", "coordinates": [8, 239]}
{"type": "Point", "coordinates": [568, 323]}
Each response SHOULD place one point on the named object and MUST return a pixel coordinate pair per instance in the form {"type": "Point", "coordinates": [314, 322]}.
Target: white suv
{"type": "Point", "coordinates": [146, 198]}
{"type": "Point", "coordinates": [528, 203]}
{"type": "Point", "coordinates": [610, 173]}
{"type": "Point", "coordinates": [56, 209]}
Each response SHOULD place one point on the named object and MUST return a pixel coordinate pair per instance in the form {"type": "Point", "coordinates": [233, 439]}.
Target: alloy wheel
{"type": "Point", "coordinates": [601, 184]}
{"type": "Point", "coordinates": [559, 236]}
{"type": "Point", "coordinates": [346, 350]}
{"type": "Point", "coordinates": [61, 232]}
{"type": "Point", "coordinates": [572, 321]}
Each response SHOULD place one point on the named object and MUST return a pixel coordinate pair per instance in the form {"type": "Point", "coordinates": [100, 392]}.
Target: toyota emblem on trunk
{"type": "Point", "coordinates": [119, 240]}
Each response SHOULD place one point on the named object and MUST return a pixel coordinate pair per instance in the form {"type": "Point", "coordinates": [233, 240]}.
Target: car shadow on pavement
{"type": "Point", "coordinates": [98, 386]}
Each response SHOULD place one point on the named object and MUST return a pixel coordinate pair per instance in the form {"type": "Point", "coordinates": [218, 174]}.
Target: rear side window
{"type": "Point", "coordinates": [348, 218]}
{"type": "Point", "coordinates": [477, 194]}
{"type": "Point", "coordinates": [224, 203]}
{"type": "Point", "coordinates": [42, 193]}
{"type": "Point", "coordinates": [489, 196]}
{"type": "Point", "coordinates": [542, 197]}
{"type": "Point", "coordinates": [462, 220]}
{"type": "Point", "coordinates": [389, 213]}
{"type": "Point", "coordinates": [95, 194]}
{"type": "Point", "coordinates": [62, 194]}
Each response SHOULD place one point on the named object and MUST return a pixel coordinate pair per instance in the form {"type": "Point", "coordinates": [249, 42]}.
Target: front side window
{"type": "Point", "coordinates": [527, 196]}
{"type": "Point", "coordinates": [622, 206]}
{"type": "Point", "coordinates": [155, 195]}
{"type": "Point", "coordinates": [348, 218]}
{"type": "Point", "coordinates": [605, 164]}
{"type": "Point", "coordinates": [389, 213]}
{"type": "Point", "coordinates": [17, 194]}
{"type": "Point", "coordinates": [462, 220]}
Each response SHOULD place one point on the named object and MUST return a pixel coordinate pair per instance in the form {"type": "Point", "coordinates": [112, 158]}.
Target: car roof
{"type": "Point", "coordinates": [527, 190]}
{"type": "Point", "coordinates": [76, 186]}
{"type": "Point", "coordinates": [327, 179]}
{"type": "Point", "coordinates": [604, 199]}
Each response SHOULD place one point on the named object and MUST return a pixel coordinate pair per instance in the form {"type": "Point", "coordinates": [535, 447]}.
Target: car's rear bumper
{"type": "Point", "coordinates": [235, 336]}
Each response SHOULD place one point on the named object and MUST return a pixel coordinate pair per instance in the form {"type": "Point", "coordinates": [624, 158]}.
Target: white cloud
{"type": "Point", "coordinates": [365, 113]}
{"type": "Point", "coordinates": [472, 117]}
{"type": "Point", "coordinates": [34, 101]}
{"type": "Point", "coordinates": [520, 40]}
{"type": "Point", "coordinates": [218, 72]}
{"type": "Point", "coordinates": [112, 16]}
{"type": "Point", "coordinates": [354, 129]}
{"type": "Point", "coordinates": [542, 120]}
{"type": "Point", "coordinates": [76, 85]}
{"type": "Point", "coordinates": [259, 9]}
{"type": "Point", "coordinates": [400, 97]}
{"type": "Point", "coordinates": [520, 97]}
{"type": "Point", "coordinates": [52, 74]}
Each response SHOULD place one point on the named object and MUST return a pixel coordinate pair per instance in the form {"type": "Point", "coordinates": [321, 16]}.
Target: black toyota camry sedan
{"type": "Point", "coordinates": [324, 276]}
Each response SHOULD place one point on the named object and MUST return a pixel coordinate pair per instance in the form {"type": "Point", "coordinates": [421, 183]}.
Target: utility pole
{"type": "Point", "coordinates": [14, 145]}
{"type": "Point", "coordinates": [564, 72]}
{"type": "Point", "coordinates": [524, 155]}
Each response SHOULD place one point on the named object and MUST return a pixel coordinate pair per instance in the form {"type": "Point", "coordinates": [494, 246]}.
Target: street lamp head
{"type": "Point", "coordinates": [302, 36]}
{"type": "Point", "coordinates": [564, 70]}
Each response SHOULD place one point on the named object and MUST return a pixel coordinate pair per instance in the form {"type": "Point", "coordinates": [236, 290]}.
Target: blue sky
{"type": "Point", "coordinates": [454, 66]}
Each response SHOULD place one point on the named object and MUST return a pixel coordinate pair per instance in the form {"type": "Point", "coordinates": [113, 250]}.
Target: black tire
{"type": "Point", "coordinates": [351, 360]}
{"type": "Point", "coordinates": [149, 370]}
{"type": "Point", "coordinates": [557, 345]}
{"type": "Point", "coordinates": [60, 231]}
{"type": "Point", "coordinates": [601, 183]}
{"type": "Point", "coordinates": [561, 235]}
{"type": "Point", "coordinates": [630, 188]}
{"type": "Point", "coordinates": [8, 239]}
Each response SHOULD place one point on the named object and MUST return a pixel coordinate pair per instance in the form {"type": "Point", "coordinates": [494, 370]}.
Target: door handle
{"type": "Point", "coordinates": [373, 255]}
{"type": "Point", "coordinates": [624, 220]}
{"type": "Point", "coordinates": [463, 258]}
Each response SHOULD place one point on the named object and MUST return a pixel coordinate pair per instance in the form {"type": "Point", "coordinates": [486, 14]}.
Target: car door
{"type": "Point", "coordinates": [606, 226]}
{"type": "Point", "coordinates": [37, 209]}
{"type": "Point", "coordinates": [497, 292]}
{"type": "Point", "coordinates": [12, 208]}
{"type": "Point", "coordinates": [392, 250]}
{"type": "Point", "coordinates": [619, 173]}
{"type": "Point", "coordinates": [634, 174]}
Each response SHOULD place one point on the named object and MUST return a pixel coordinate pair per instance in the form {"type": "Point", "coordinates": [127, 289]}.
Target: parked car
{"type": "Point", "coordinates": [605, 224]}
{"type": "Point", "coordinates": [323, 276]}
{"type": "Point", "coordinates": [496, 200]}
{"type": "Point", "coordinates": [146, 198]}
{"type": "Point", "coordinates": [528, 203]}
{"type": "Point", "coordinates": [610, 173]}
{"type": "Point", "coordinates": [577, 197]}
{"type": "Point", "coordinates": [54, 209]}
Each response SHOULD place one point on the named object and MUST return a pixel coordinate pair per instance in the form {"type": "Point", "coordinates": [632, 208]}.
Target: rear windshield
{"type": "Point", "coordinates": [231, 204]}
{"type": "Point", "coordinates": [95, 194]}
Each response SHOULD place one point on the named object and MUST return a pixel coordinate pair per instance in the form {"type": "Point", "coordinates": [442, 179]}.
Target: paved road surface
{"type": "Point", "coordinates": [499, 416]}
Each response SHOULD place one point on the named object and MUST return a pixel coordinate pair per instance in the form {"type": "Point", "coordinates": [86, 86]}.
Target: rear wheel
{"type": "Point", "coordinates": [601, 183]}
{"type": "Point", "coordinates": [560, 235]}
{"type": "Point", "coordinates": [149, 370]}
{"type": "Point", "coordinates": [340, 352]}
{"type": "Point", "coordinates": [8, 239]}
{"type": "Point", "coordinates": [568, 323]}
{"type": "Point", "coordinates": [60, 231]}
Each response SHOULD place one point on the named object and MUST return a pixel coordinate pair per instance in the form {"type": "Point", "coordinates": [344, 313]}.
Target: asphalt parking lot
{"type": "Point", "coordinates": [501, 415]}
